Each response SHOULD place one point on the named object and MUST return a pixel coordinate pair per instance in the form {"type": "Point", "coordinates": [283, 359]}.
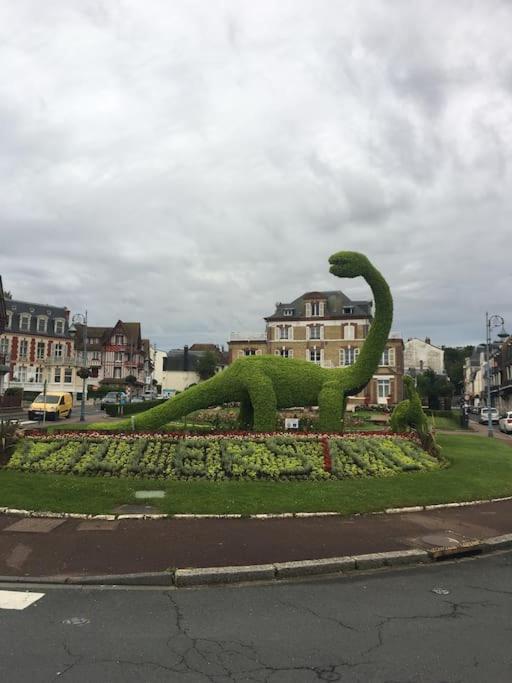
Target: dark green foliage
{"type": "Point", "coordinates": [263, 384]}
{"type": "Point", "coordinates": [433, 388]}
{"type": "Point", "coordinates": [131, 408]}
{"type": "Point", "coordinates": [454, 365]}
{"type": "Point", "coordinates": [206, 365]}
{"type": "Point", "coordinates": [408, 414]}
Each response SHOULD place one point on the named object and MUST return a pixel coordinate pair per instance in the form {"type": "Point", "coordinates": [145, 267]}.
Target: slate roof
{"type": "Point", "coordinates": [336, 302]}
{"type": "Point", "coordinates": [17, 308]}
{"type": "Point", "coordinates": [178, 361]}
{"type": "Point", "coordinates": [132, 331]}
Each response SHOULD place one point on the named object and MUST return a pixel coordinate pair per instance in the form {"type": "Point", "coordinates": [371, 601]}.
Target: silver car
{"type": "Point", "coordinates": [484, 416]}
{"type": "Point", "coordinates": [505, 423]}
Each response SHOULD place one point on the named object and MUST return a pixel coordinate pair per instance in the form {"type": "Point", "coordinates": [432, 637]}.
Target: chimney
{"type": "Point", "coordinates": [185, 358]}
{"type": "Point", "coordinates": [427, 340]}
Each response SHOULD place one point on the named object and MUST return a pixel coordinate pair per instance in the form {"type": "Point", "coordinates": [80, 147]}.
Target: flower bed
{"type": "Point", "coordinates": [279, 457]}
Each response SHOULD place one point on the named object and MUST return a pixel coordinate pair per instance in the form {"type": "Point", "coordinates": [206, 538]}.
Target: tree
{"type": "Point", "coordinates": [131, 380]}
{"type": "Point", "coordinates": [454, 365]}
{"type": "Point", "coordinates": [432, 388]}
{"type": "Point", "coordinates": [206, 365]}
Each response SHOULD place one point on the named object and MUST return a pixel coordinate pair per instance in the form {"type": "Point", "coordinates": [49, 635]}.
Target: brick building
{"type": "Point", "coordinates": [329, 329]}
{"type": "Point", "coordinates": [37, 347]}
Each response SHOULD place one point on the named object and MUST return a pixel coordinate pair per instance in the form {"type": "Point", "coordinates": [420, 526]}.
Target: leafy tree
{"type": "Point", "coordinates": [131, 380]}
{"type": "Point", "coordinates": [432, 388]}
{"type": "Point", "coordinates": [206, 365]}
{"type": "Point", "coordinates": [454, 365]}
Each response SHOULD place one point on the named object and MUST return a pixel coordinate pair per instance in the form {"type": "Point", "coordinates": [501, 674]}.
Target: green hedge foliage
{"type": "Point", "coordinates": [132, 408]}
{"type": "Point", "coordinates": [263, 384]}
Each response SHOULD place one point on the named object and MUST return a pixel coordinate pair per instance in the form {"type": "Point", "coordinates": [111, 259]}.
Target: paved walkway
{"type": "Point", "coordinates": [55, 547]}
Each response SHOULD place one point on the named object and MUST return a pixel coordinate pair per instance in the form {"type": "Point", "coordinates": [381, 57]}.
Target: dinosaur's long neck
{"type": "Point", "coordinates": [375, 343]}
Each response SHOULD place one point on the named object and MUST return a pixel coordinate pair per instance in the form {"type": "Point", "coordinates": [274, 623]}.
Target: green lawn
{"type": "Point", "coordinates": [446, 423]}
{"type": "Point", "coordinates": [479, 468]}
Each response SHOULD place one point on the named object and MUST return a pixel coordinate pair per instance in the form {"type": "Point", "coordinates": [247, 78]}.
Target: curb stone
{"type": "Point", "coordinates": [273, 572]}
{"type": "Point", "coordinates": [278, 515]}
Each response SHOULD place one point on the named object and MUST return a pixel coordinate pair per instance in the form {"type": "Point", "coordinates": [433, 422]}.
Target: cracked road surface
{"type": "Point", "coordinates": [439, 623]}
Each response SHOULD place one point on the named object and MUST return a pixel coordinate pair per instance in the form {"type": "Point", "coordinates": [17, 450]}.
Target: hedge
{"type": "Point", "coordinates": [132, 408]}
{"type": "Point", "coordinates": [264, 384]}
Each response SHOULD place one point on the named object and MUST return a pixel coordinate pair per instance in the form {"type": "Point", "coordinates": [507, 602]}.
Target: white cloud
{"type": "Point", "coordinates": [189, 163]}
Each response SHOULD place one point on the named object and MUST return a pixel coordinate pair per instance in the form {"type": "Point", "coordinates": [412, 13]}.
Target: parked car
{"type": "Point", "coordinates": [112, 398]}
{"type": "Point", "coordinates": [52, 406]}
{"type": "Point", "coordinates": [505, 422]}
{"type": "Point", "coordinates": [484, 416]}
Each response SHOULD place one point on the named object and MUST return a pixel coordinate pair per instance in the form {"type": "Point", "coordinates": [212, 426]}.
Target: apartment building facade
{"type": "Point", "coordinates": [37, 347]}
{"type": "Point", "coordinates": [115, 353]}
{"type": "Point", "coordinates": [329, 329]}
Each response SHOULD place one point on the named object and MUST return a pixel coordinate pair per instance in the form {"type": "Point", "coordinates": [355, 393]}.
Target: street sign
{"type": "Point", "coordinates": [291, 423]}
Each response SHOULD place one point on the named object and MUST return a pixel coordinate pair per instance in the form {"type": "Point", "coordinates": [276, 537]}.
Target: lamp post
{"type": "Point", "coordinates": [83, 372]}
{"type": "Point", "coordinates": [491, 321]}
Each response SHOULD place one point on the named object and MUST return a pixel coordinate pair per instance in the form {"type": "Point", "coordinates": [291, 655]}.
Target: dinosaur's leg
{"type": "Point", "coordinates": [246, 414]}
{"type": "Point", "coordinates": [331, 403]}
{"type": "Point", "coordinates": [264, 403]}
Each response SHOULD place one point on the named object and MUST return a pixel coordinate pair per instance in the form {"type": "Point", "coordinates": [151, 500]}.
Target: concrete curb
{"type": "Point", "coordinates": [332, 566]}
{"type": "Point", "coordinates": [279, 515]}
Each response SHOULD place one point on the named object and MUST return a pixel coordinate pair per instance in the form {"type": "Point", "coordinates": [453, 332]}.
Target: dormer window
{"type": "Point", "coordinates": [119, 339]}
{"type": "Point", "coordinates": [314, 309]}
{"type": "Point", "coordinates": [24, 322]}
{"type": "Point", "coordinates": [59, 326]}
{"type": "Point", "coordinates": [348, 310]}
{"type": "Point", "coordinates": [289, 311]}
{"type": "Point", "coordinates": [42, 324]}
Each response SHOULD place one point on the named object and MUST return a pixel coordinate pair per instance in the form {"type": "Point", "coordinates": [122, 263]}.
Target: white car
{"type": "Point", "coordinates": [484, 416]}
{"type": "Point", "coordinates": [505, 423]}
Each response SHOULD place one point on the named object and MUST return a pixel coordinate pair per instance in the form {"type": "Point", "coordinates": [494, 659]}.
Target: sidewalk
{"type": "Point", "coordinates": [51, 547]}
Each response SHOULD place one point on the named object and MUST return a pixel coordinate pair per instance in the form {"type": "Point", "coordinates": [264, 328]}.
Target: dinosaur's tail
{"type": "Point", "coordinates": [212, 392]}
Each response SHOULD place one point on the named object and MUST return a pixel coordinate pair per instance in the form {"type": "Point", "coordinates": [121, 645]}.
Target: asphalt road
{"type": "Point", "coordinates": [443, 623]}
{"type": "Point", "coordinates": [91, 413]}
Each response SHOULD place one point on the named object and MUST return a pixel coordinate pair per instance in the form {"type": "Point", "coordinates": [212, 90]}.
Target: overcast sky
{"type": "Point", "coordinates": [188, 164]}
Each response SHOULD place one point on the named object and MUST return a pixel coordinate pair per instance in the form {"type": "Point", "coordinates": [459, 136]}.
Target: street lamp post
{"type": "Point", "coordinates": [83, 372]}
{"type": "Point", "coordinates": [491, 321]}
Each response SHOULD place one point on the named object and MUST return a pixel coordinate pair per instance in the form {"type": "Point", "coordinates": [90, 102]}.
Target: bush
{"type": "Point", "coordinates": [132, 408]}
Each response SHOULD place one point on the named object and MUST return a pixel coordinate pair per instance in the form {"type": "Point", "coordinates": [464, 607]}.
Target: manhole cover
{"type": "Point", "coordinates": [446, 540]}
{"type": "Point", "coordinates": [76, 621]}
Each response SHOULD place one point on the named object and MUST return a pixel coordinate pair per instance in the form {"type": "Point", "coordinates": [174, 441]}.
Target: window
{"type": "Point", "coordinates": [59, 327]}
{"type": "Point", "coordinates": [24, 323]}
{"type": "Point", "coordinates": [315, 308]}
{"type": "Point", "coordinates": [315, 355]}
{"type": "Point", "coordinates": [4, 345]}
{"type": "Point", "coordinates": [249, 352]}
{"type": "Point", "coordinates": [23, 348]}
{"type": "Point", "coordinates": [42, 324]}
{"type": "Point", "coordinates": [284, 353]}
{"type": "Point", "coordinates": [315, 332]}
{"type": "Point", "coordinates": [22, 373]}
{"type": "Point", "coordinates": [119, 339]}
{"type": "Point", "coordinates": [118, 356]}
{"type": "Point", "coordinates": [388, 357]}
{"type": "Point", "coordinates": [39, 375]}
{"type": "Point", "coordinates": [68, 375]}
{"type": "Point", "coordinates": [58, 351]}
{"type": "Point", "coordinates": [289, 311]}
{"type": "Point", "coordinates": [349, 332]}
{"type": "Point", "coordinates": [9, 320]}
{"type": "Point", "coordinates": [383, 388]}
{"type": "Point", "coordinates": [349, 355]}
{"type": "Point", "coordinates": [56, 376]}
{"type": "Point", "coordinates": [285, 332]}
{"type": "Point", "coordinates": [348, 310]}
{"type": "Point", "coordinates": [117, 373]}
{"type": "Point", "coordinates": [40, 350]}
{"type": "Point", "coordinates": [95, 355]}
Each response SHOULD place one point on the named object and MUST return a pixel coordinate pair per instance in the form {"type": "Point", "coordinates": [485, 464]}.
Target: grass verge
{"type": "Point", "coordinates": [478, 469]}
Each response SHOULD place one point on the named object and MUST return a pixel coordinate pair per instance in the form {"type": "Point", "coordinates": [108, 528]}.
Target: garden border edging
{"type": "Point", "coordinates": [271, 515]}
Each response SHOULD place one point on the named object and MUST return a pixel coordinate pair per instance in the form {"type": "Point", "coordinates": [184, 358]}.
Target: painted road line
{"type": "Point", "coordinates": [18, 599]}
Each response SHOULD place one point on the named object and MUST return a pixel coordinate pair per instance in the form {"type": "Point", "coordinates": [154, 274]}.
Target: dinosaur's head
{"type": "Point", "coordinates": [348, 264]}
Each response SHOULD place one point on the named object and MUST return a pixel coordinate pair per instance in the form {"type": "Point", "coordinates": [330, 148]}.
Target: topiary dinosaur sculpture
{"type": "Point", "coordinates": [264, 384]}
{"type": "Point", "coordinates": [408, 414]}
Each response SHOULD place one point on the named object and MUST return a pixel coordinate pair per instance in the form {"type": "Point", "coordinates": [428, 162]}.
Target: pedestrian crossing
{"type": "Point", "coordinates": [18, 599]}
